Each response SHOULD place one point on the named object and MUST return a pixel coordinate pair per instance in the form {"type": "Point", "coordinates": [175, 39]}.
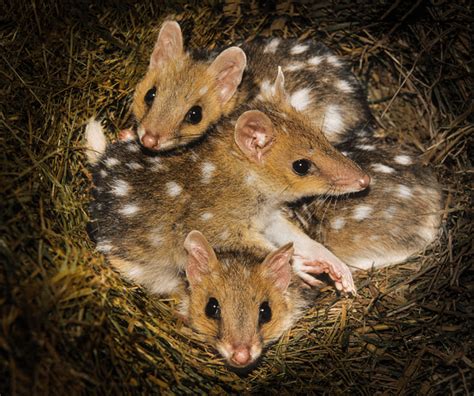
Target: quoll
{"type": "Point", "coordinates": [396, 217]}
{"type": "Point", "coordinates": [240, 303]}
{"type": "Point", "coordinates": [183, 93]}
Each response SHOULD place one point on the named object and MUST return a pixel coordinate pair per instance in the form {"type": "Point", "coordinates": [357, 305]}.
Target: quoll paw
{"type": "Point", "coordinates": [126, 135]}
{"type": "Point", "coordinates": [336, 269]}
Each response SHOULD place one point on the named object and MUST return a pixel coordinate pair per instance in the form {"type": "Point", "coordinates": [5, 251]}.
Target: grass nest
{"type": "Point", "coordinates": [71, 324]}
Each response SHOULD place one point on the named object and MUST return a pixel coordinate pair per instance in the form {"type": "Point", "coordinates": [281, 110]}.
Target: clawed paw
{"type": "Point", "coordinates": [340, 274]}
{"type": "Point", "coordinates": [126, 134]}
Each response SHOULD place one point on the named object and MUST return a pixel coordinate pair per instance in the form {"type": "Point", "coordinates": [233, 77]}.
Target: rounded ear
{"type": "Point", "coordinates": [227, 69]}
{"type": "Point", "coordinates": [277, 266]}
{"type": "Point", "coordinates": [201, 257]}
{"type": "Point", "coordinates": [169, 44]}
{"type": "Point", "coordinates": [254, 134]}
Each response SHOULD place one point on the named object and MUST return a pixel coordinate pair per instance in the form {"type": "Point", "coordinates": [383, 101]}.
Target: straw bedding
{"type": "Point", "coordinates": [70, 324]}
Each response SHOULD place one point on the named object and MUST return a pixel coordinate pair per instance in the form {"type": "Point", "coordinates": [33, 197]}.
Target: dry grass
{"type": "Point", "coordinates": [69, 324]}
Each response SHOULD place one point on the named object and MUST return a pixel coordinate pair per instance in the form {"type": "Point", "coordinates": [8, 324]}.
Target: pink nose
{"type": "Point", "coordinates": [241, 355]}
{"type": "Point", "coordinates": [364, 181]}
{"type": "Point", "coordinates": [150, 141]}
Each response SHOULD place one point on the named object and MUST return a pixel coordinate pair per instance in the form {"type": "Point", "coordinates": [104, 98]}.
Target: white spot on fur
{"type": "Point", "coordinates": [133, 147]}
{"type": "Point", "coordinates": [153, 160]}
{"type": "Point", "coordinates": [333, 122]}
{"type": "Point", "coordinates": [333, 60]}
{"type": "Point", "coordinates": [95, 141]}
{"type": "Point", "coordinates": [337, 223]}
{"type": "Point", "coordinates": [272, 46]}
{"type": "Point", "coordinates": [382, 168]}
{"type": "Point", "coordinates": [366, 147]}
{"type": "Point", "coordinates": [299, 49]}
{"type": "Point", "coordinates": [361, 133]}
{"type": "Point", "coordinates": [120, 188]}
{"type": "Point", "coordinates": [103, 173]}
{"type": "Point", "coordinates": [155, 237]}
{"type": "Point", "coordinates": [295, 66]}
{"type": "Point", "coordinates": [344, 153]}
{"type": "Point", "coordinates": [207, 171]}
{"type": "Point", "coordinates": [344, 86]}
{"type": "Point", "coordinates": [301, 99]}
{"type": "Point", "coordinates": [134, 165]}
{"type": "Point", "coordinates": [361, 212]}
{"type": "Point", "coordinates": [129, 210]}
{"type": "Point", "coordinates": [174, 189]}
{"type": "Point", "coordinates": [110, 162]}
{"type": "Point", "coordinates": [206, 216]}
{"type": "Point", "coordinates": [403, 160]}
{"type": "Point", "coordinates": [104, 247]}
{"type": "Point", "coordinates": [404, 191]}
{"type": "Point", "coordinates": [315, 60]}
{"type": "Point", "coordinates": [157, 165]}
{"type": "Point", "coordinates": [203, 90]}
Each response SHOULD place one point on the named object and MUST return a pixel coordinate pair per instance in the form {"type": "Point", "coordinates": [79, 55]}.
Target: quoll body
{"type": "Point", "coordinates": [232, 187]}
{"type": "Point", "coordinates": [396, 217]}
{"type": "Point", "coordinates": [182, 93]}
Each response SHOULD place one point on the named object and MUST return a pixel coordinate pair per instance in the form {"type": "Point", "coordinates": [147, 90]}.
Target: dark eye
{"type": "Point", "coordinates": [213, 310]}
{"type": "Point", "coordinates": [150, 96]}
{"type": "Point", "coordinates": [301, 167]}
{"type": "Point", "coordinates": [194, 115]}
{"type": "Point", "coordinates": [265, 313]}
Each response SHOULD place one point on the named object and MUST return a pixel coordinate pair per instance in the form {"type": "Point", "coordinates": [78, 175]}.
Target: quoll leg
{"type": "Point", "coordinates": [310, 258]}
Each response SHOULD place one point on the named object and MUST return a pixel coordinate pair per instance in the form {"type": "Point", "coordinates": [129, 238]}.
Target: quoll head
{"type": "Point", "coordinates": [237, 303]}
{"type": "Point", "coordinates": [286, 150]}
{"type": "Point", "coordinates": [179, 97]}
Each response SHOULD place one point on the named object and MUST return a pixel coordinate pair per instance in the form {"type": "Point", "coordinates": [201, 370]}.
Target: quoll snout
{"type": "Point", "coordinates": [241, 355]}
{"type": "Point", "coordinates": [357, 182]}
{"type": "Point", "coordinates": [150, 141]}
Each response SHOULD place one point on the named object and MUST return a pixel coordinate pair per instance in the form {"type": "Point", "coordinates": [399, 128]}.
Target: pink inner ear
{"type": "Point", "coordinates": [192, 271]}
{"type": "Point", "coordinates": [254, 134]}
{"type": "Point", "coordinates": [169, 44]}
{"type": "Point", "coordinates": [282, 276]}
{"type": "Point", "coordinates": [227, 69]}
{"type": "Point", "coordinates": [228, 81]}
{"type": "Point", "coordinates": [197, 266]}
